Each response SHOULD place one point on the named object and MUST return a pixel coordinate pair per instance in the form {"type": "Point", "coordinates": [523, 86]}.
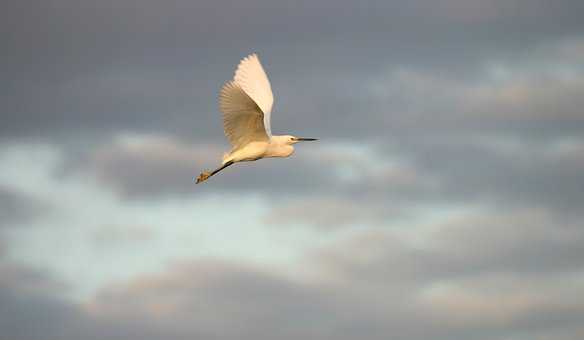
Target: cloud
{"type": "Point", "coordinates": [523, 242]}
{"type": "Point", "coordinates": [90, 222]}
{"type": "Point", "coordinates": [499, 96]}
{"type": "Point", "coordinates": [142, 166]}
{"type": "Point", "coordinates": [226, 300]}
{"type": "Point", "coordinates": [150, 67]}
{"type": "Point", "coordinates": [503, 172]}
{"type": "Point", "coordinates": [28, 280]}
{"type": "Point", "coordinates": [222, 300]}
{"type": "Point", "coordinates": [408, 173]}
{"type": "Point", "coordinates": [112, 235]}
{"type": "Point", "coordinates": [17, 208]}
{"type": "Point", "coordinates": [506, 302]}
{"type": "Point", "coordinates": [330, 213]}
{"type": "Point", "coordinates": [374, 284]}
{"type": "Point", "coordinates": [447, 176]}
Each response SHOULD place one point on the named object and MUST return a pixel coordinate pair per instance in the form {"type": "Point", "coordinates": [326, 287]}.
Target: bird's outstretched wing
{"type": "Point", "coordinates": [252, 79]}
{"type": "Point", "coordinates": [243, 119]}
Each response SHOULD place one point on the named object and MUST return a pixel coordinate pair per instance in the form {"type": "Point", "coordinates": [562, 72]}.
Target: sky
{"type": "Point", "coordinates": [444, 199]}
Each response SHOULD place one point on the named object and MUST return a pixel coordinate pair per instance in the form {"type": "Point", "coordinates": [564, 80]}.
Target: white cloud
{"type": "Point", "coordinates": [63, 239]}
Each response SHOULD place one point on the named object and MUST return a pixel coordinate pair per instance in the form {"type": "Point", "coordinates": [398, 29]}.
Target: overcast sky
{"type": "Point", "coordinates": [444, 199]}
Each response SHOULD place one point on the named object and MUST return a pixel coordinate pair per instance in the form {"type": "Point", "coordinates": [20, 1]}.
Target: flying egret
{"type": "Point", "coordinates": [246, 103]}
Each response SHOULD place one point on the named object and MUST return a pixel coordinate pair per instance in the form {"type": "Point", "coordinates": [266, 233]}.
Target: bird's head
{"type": "Point", "coordinates": [290, 140]}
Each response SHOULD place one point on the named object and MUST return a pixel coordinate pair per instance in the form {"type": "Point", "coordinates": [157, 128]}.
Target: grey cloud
{"type": "Point", "coordinates": [439, 121]}
{"type": "Point", "coordinates": [28, 281]}
{"type": "Point", "coordinates": [209, 289]}
{"type": "Point", "coordinates": [509, 303]}
{"type": "Point", "coordinates": [45, 321]}
{"type": "Point", "coordinates": [373, 285]}
{"type": "Point", "coordinates": [418, 80]}
{"type": "Point", "coordinates": [529, 244]}
{"type": "Point", "coordinates": [32, 306]}
{"type": "Point", "coordinates": [284, 308]}
{"type": "Point", "coordinates": [331, 213]}
{"type": "Point", "coordinates": [529, 241]}
{"type": "Point", "coordinates": [142, 166]}
{"type": "Point", "coordinates": [17, 207]}
{"type": "Point", "coordinates": [504, 97]}
{"type": "Point", "coordinates": [148, 66]}
{"type": "Point", "coordinates": [482, 172]}
{"type": "Point", "coordinates": [482, 169]}
{"type": "Point", "coordinates": [154, 166]}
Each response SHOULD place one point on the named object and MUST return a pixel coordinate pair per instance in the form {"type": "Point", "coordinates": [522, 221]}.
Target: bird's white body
{"type": "Point", "coordinates": [246, 103]}
{"type": "Point", "coordinates": [277, 146]}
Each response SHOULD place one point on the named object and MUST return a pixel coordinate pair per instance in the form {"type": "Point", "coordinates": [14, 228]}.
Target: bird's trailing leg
{"type": "Point", "coordinates": [206, 174]}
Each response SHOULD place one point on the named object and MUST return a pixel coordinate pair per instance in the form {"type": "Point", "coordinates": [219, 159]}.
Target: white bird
{"type": "Point", "coordinates": [246, 103]}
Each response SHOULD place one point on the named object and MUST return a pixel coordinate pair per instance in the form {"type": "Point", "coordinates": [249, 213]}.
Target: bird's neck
{"type": "Point", "coordinates": [279, 147]}
{"type": "Point", "coordinates": [278, 140]}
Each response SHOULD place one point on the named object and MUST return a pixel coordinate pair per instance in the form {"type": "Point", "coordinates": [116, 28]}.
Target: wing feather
{"type": "Point", "coordinates": [242, 117]}
{"type": "Point", "coordinates": [252, 78]}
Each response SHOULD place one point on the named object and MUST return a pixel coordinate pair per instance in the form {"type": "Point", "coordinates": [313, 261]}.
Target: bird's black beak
{"type": "Point", "coordinates": [306, 139]}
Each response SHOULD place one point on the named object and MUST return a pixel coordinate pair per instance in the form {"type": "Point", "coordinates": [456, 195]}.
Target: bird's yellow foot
{"type": "Point", "coordinates": [203, 176]}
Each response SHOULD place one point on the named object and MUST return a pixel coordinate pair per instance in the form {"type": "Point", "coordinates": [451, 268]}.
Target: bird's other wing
{"type": "Point", "coordinates": [252, 78]}
{"type": "Point", "coordinates": [243, 120]}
